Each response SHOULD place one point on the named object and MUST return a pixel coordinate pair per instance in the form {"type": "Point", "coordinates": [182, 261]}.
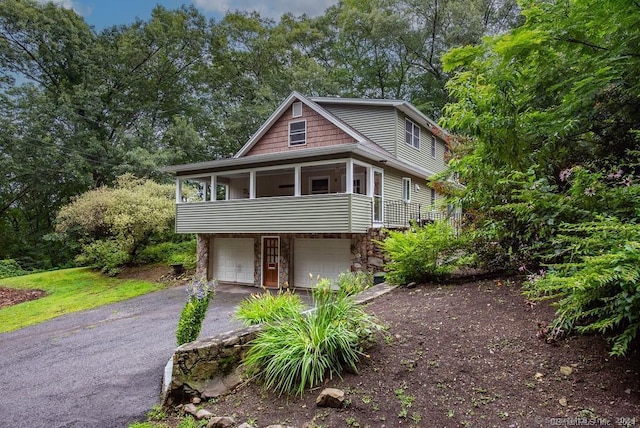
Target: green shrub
{"type": "Point", "coordinates": [597, 288]}
{"type": "Point", "coordinates": [107, 255]}
{"type": "Point", "coordinates": [199, 293]}
{"type": "Point", "coordinates": [423, 252]}
{"type": "Point", "coordinates": [352, 283]}
{"type": "Point", "coordinates": [9, 268]}
{"type": "Point", "coordinates": [267, 307]}
{"type": "Point", "coordinates": [188, 422]}
{"type": "Point", "coordinates": [188, 260]}
{"type": "Point", "coordinates": [298, 353]}
{"type": "Point", "coordinates": [170, 252]}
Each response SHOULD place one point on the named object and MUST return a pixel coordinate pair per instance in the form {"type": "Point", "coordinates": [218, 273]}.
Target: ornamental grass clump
{"type": "Point", "coordinates": [268, 307]}
{"type": "Point", "coordinates": [298, 353]}
{"type": "Point", "coordinates": [199, 293]}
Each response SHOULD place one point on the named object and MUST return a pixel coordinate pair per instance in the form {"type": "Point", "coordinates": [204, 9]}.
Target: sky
{"type": "Point", "coordinates": [105, 13]}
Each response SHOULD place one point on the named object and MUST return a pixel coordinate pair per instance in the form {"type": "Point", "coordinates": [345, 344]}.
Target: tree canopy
{"type": "Point", "coordinates": [78, 107]}
{"type": "Point", "coordinates": [549, 118]}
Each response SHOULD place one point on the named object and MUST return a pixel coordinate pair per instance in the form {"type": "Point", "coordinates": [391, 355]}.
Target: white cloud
{"type": "Point", "coordinates": [71, 4]}
{"type": "Point", "coordinates": [267, 8]}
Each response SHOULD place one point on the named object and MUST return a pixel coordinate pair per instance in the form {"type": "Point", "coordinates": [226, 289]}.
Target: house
{"type": "Point", "coordinates": [309, 192]}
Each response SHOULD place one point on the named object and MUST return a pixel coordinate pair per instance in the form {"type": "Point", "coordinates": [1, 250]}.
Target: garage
{"type": "Point", "coordinates": [233, 260]}
{"type": "Point", "coordinates": [324, 257]}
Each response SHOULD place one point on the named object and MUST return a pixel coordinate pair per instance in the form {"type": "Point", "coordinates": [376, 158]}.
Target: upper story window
{"type": "Point", "coordinates": [296, 109]}
{"type": "Point", "coordinates": [433, 146]}
{"type": "Point", "coordinates": [406, 189]}
{"type": "Point", "coordinates": [298, 133]}
{"type": "Point", "coordinates": [412, 134]}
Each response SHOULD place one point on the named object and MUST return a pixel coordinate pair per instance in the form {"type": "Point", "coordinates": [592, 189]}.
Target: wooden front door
{"type": "Point", "coordinates": [270, 255]}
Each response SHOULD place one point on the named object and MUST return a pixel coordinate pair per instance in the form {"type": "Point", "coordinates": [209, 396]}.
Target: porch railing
{"type": "Point", "coordinates": [401, 214]}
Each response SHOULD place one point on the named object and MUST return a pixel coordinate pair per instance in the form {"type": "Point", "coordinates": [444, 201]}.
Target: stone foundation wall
{"type": "Point", "coordinates": [202, 256]}
{"type": "Point", "coordinates": [365, 254]}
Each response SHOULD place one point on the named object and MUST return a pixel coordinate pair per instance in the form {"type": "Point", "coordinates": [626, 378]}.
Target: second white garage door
{"type": "Point", "coordinates": [233, 260]}
{"type": "Point", "coordinates": [324, 257]}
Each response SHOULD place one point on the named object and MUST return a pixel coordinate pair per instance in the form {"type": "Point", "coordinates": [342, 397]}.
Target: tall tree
{"type": "Point", "coordinates": [80, 108]}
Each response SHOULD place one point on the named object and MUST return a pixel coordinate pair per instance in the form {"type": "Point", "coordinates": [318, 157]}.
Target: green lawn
{"type": "Point", "coordinates": [68, 290]}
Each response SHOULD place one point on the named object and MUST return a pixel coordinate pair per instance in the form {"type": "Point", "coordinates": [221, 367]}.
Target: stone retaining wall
{"type": "Point", "coordinates": [208, 368]}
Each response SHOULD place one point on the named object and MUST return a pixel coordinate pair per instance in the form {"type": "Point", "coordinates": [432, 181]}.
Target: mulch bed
{"type": "Point", "coordinates": [12, 296]}
{"type": "Point", "coordinates": [464, 355]}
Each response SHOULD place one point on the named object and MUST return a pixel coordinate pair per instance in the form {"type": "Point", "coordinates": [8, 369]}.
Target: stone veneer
{"type": "Point", "coordinates": [210, 367]}
{"type": "Point", "coordinates": [365, 253]}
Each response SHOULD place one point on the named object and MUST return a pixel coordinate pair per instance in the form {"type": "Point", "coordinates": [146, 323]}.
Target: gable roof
{"type": "Point", "coordinates": [293, 97]}
{"type": "Point", "coordinates": [362, 146]}
{"type": "Point", "coordinates": [404, 106]}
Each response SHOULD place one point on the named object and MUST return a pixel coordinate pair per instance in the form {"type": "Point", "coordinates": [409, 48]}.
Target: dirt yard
{"type": "Point", "coordinates": [462, 355]}
{"type": "Point", "coordinates": [11, 296]}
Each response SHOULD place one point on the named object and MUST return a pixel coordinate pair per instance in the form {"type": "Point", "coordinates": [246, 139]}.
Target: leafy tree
{"type": "Point", "coordinates": [114, 224]}
{"type": "Point", "coordinates": [550, 114]}
{"type": "Point", "coordinates": [77, 109]}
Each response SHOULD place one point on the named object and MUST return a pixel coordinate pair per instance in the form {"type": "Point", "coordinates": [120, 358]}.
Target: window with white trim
{"type": "Point", "coordinates": [412, 134]}
{"type": "Point", "coordinates": [433, 198]}
{"type": "Point", "coordinates": [319, 185]}
{"type": "Point", "coordinates": [406, 189]}
{"type": "Point", "coordinates": [433, 146]}
{"type": "Point", "coordinates": [298, 133]}
{"type": "Point", "coordinates": [296, 109]}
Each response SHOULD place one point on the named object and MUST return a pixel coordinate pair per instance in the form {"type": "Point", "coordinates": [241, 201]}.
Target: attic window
{"type": "Point", "coordinates": [298, 133]}
{"type": "Point", "coordinates": [412, 134]}
{"type": "Point", "coordinates": [296, 109]}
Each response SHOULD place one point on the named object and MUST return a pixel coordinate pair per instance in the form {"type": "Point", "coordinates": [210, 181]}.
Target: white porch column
{"type": "Point", "coordinates": [178, 190]}
{"type": "Point", "coordinates": [252, 184]}
{"type": "Point", "coordinates": [349, 177]}
{"type": "Point", "coordinates": [297, 191]}
{"type": "Point", "coordinates": [370, 181]}
{"type": "Point", "coordinates": [214, 187]}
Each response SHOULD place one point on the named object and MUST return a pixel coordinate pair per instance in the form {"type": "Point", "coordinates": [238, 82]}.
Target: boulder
{"type": "Point", "coordinates": [203, 414]}
{"type": "Point", "coordinates": [221, 422]}
{"type": "Point", "coordinates": [330, 397]}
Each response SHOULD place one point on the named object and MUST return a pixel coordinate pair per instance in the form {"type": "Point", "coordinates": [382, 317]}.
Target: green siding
{"type": "Point", "coordinates": [393, 188]}
{"type": "Point", "coordinates": [332, 213]}
{"type": "Point", "coordinates": [374, 122]}
{"type": "Point", "coordinates": [420, 156]}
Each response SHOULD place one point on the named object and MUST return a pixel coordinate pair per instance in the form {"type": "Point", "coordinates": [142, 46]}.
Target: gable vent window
{"type": "Point", "coordinates": [296, 109]}
{"type": "Point", "coordinates": [298, 133]}
{"type": "Point", "coordinates": [412, 134]}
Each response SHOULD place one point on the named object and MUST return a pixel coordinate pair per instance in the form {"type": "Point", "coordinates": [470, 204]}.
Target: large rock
{"type": "Point", "coordinates": [203, 414]}
{"type": "Point", "coordinates": [375, 261]}
{"type": "Point", "coordinates": [190, 408]}
{"type": "Point", "coordinates": [220, 385]}
{"type": "Point", "coordinates": [330, 397]}
{"type": "Point", "coordinates": [221, 422]}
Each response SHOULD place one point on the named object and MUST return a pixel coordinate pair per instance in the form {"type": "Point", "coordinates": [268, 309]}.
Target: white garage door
{"type": "Point", "coordinates": [233, 260]}
{"type": "Point", "coordinates": [324, 257]}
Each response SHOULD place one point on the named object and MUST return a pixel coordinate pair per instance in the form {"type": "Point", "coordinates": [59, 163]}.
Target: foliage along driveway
{"type": "Point", "coordinates": [102, 367]}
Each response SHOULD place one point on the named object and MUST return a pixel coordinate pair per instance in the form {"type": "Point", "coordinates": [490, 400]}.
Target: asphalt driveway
{"type": "Point", "coordinates": [102, 367]}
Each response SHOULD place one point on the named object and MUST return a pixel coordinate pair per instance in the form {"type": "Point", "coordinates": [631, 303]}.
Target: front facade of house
{"type": "Point", "coordinates": [309, 192]}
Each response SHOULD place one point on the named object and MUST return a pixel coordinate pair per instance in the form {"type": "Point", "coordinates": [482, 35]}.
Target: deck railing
{"type": "Point", "coordinates": [401, 214]}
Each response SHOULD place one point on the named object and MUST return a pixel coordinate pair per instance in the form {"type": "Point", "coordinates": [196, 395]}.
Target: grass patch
{"type": "Point", "coordinates": [267, 307]}
{"type": "Point", "coordinates": [68, 290]}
